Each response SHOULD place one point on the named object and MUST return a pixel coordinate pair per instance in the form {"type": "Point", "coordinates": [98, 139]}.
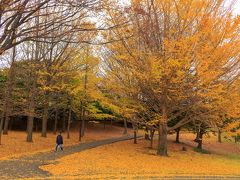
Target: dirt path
{"type": "Point", "coordinates": [27, 166]}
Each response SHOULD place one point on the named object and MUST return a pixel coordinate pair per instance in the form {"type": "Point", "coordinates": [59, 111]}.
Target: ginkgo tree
{"type": "Point", "coordinates": [172, 56]}
{"type": "Point", "coordinates": [81, 87]}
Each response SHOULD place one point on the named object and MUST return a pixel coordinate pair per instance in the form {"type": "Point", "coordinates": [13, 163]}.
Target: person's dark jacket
{"type": "Point", "coordinates": [59, 139]}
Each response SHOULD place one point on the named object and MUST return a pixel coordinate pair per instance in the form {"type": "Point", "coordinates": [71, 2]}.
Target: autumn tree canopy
{"type": "Point", "coordinates": [160, 65]}
{"type": "Point", "coordinates": [174, 58]}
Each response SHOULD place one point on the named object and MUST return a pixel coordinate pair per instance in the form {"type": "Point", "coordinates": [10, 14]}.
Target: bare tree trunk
{"type": "Point", "coordinates": [162, 140]}
{"type": "Point", "coordinates": [31, 109]}
{"type": "Point", "coordinates": [5, 129]}
{"type": "Point", "coordinates": [30, 118]}
{"type": "Point", "coordinates": [32, 88]}
{"type": "Point", "coordinates": [197, 135]}
{"type": "Point", "coordinates": [9, 90]}
{"type": "Point", "coordinates": [147, 134]}
{"type": "Point", "coordinates": [69, 122]}
{"type": "Point", "coordinates": [162, 134]}
{"type": "Point", "coordinates": [83, 123]}
{"type": "Point", "coordinates": [80, 129]}
{"type": "Point", "coordinates": [36, 125]}
{"type": "Point", "coordinates": [30, 128]}
{"type": "Point", "coordinates": [83, 126]}
{"type": "Point", "coordinates": [45, 117]}
{"type": "Point", "coordinates": [219, 136]}
{"type": "Point", "coordinates": [201, 132]}
{"type": "Point", "coordinates": [10, 123]}
{"type": "Point", "coordinates": [85, 90]}
{"type": "Point", "coordinates": [151, 137]}
{"type": "Point", "coordinates": [80, 124]}
{"type": "Point", "coordinates": [64, 121]}
{"type": "Point", "coordinates": [1, 127]}
{"type": "Point", "coordinates": [2, 121]}
{"type": "Point", "coordinates": [134, 133]}
{"type": "Point", "coordinates": [125, 132]}
{"type": "Point", "coordinates": [135, 136]}
{"type": "Point", "coordinates": [177, 135]}
{"type": "Point", "coordinates": [55, 121]}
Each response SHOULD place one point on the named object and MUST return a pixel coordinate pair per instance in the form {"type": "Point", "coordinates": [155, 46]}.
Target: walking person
{"type": "Point", "coordinates": [59, 141]}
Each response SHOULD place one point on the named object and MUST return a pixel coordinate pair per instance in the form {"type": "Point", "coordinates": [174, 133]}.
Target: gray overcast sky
{"type": "Point", "coordinates": [237, 7]}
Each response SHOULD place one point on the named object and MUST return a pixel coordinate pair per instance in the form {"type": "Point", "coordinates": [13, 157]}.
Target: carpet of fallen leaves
{"type": "Point", "coordinates": [125, 159]}
{"type": "Point", "coordinates": [210, 143]}
{"type": "Point", "coordinates": [14, 144]}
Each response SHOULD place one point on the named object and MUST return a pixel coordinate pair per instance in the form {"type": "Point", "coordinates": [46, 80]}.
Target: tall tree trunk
{"type": "Point", "coordinates": [10, 123]}
{"type": "Point", "coordinates": [80, 124]}
{"type": "Point", "coordinates": [85, 92]}
{"type": "Point", "coordinates": [235, 139]}
{"type": "Point", "coordinates": [32, 87]}
{"type": "Point", "coordinates": [177, 135]}
{"type": "Point", "coordinates": [45, 116]}
{"type": "Point", "coordinates": [36, 125]}
{"type": "Point", "coordinates": [9, 89]}
{"type": "Point", "coordinates": [1, 127]}
{"type": "Point", "coordinates": [83, 123]}
{"type": "Point", "coordinates": [147, 134]}
{"type": "Point", "coordinates": [80, 129]}
{"type": "Point", "coordinates": [201, 132]}
{"type": "Point", "coordinates": [5, 129]}
{"type": "Point", "coordinates": [2, 121]}
{"type": "Point", "coordinates": [55, 121]}
{"type": "Point", "coordinates": [162, 134]}
{"type": "Point", "coordinates": [219, 136]}
{"type": "Point", "coordinates": [30, 128]}
{"type": "Point", "coordinates": [135, 136]}
{"type": "Point", "coordinates": [197, 135]}
{"type": "Point", "coordinates": [31, 109]}
{"type": "Point", "coordinates": [125, 132]}
{"type": "Point", "coordinates": [151, 137]}
{"type": "Point", "coordinates": [135, 133]}
{"type": "Point", "coordinates": [69, 122]}
{"type": "Point", "coordinates": [64, 121]}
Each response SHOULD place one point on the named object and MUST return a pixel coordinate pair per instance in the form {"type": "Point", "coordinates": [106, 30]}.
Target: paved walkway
{"type": "Point", "coordinates": [27, 166]}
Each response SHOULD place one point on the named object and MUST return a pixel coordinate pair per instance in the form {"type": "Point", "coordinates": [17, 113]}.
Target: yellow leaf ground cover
{"type": "Point", "coordinates": [14, 144]}
{"type": "Point", "coordinates": [210, 143]}
{"type": "Point", "coordinates": [125, 159]}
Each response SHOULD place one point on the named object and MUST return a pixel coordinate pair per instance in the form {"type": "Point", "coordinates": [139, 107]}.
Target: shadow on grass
{"type": "Point", "coordinates": [202, 151]}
